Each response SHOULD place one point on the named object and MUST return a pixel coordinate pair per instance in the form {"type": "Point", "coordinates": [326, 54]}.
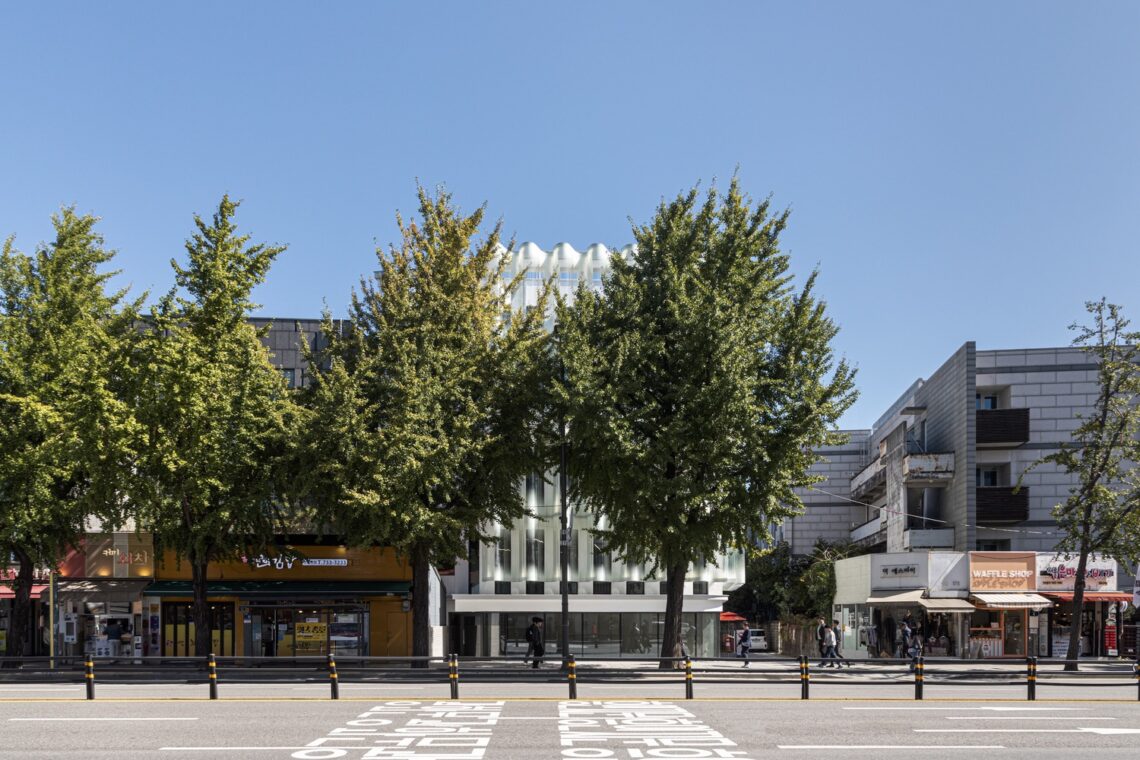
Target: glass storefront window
{"type": "Point", "coordinates": [609, 634]}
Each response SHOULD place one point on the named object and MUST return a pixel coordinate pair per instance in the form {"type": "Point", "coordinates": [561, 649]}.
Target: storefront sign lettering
{"type": "Point", "coordinates": [899, 571]}
{"type": "Point", "coordinates": [1003, 571]}
{"type": "Point", "coordinates": [279, 562]}
{"type": "Point", "coordinates": [1058, 573]}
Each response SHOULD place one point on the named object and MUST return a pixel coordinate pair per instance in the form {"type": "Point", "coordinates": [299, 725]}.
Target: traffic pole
{"type": "Point", "coordinates": [89, 675]}
{"type": "Point", "coordinates": [572, 676]}
{"type": "Point", "coordinates": [334, 682]}
{"type": "Point", "coordinates": [805, 678]}
{"type": "Point", "coordinates": [453, 675]}
{"type": "Point", "coordinates": [1031, 678]}
{"type": "Point", "coordinates": [688, 678]}
{"type": "Point", "coordinates": [212, 669]}
{"type": "Point", "coordinates": [919, 674]}
{"type": "Point", "coordinates": [1136, 669]}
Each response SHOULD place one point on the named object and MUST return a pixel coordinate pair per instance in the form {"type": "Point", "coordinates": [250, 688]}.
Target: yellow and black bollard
{"type": "Point", "coordinates": [1031, 678]}
{"type": "Point", "coordinates": [334, 683]}
{"type": "Point", "coordinates": [89, 673]}
{"type": "Point", "coordinates": [919, 675]}
{"type": "Point", "coordinates": [1136, 669]}
{"type": "Point", "coordinates": [805, 678]}
{"type": "Point", "coordinates": [572, 676]}
{"type": "Point", "coordinates": [453, 674]}
{"type": "Point", "coordinates": [212, 670]}
{"type": "Point", "coordinates": [688, 678]}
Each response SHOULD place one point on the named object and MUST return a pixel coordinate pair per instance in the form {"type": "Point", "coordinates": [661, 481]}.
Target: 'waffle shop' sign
{"type": "Point", "coordinates": [1003, 571]}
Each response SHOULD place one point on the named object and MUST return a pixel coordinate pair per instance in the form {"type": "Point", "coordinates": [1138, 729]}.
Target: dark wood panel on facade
{"type": "Point", "coordinates": [1002, 427]}
{"type": "Point", "coordinates": [997, 505]}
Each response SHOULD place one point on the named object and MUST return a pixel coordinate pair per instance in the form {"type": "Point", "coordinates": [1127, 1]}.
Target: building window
{"type": "Point", "coordinates": [502, 548]}
{"type": "Point", "coordinates": [535, 553]}
{"type": "Point", "coordinates": [567, 282]}
{"type": "Point", "coordinates": [603, 562]}
{"type": "Point", "coordinates": [985, 401]}
{"type": "Point", "coordinates": [535, 490]}
{"type": "Point", "coordinates": [987, 477]}
{"type": "Point", "coordinates": [290, 376]}
{"type": "Point", "coordinates": [534, 279]}
{"type": "Point", "coordinates": [596, 281]}
{"type": "Point", "coordinates": [995, 545]}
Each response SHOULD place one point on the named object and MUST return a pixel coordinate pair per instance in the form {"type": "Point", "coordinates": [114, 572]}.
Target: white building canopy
{"type": "Point", "coordinates": [914, 596]}
{"type": "Point", "coordinates": [1012, 601]}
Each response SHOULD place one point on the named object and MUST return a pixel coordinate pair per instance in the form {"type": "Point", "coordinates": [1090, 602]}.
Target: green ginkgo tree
{"type": "Point", "coordinates": [697, 384]}
{"type": "Point", "coordinates": [65, 429]}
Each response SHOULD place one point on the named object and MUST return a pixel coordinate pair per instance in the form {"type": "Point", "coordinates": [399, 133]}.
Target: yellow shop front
{"type": "Point", "coordinates": [300, 600]}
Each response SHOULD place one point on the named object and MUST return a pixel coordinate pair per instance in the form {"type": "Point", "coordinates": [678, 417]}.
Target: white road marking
{"type": "Point", "coordinates": [966, 709]}
{"type": "Point", "coordinates": [19, 689]}
{"type": "Point", "coordinates": [1082, 730]}
{"type": "Point", "coordinates": [1022, 717]}
{"type": "Point", "coordinates": [65, 720]}
{"type": "Point", "coordinates": [890, 746]}
{"type": "Point", "coordinates": [226, 749]}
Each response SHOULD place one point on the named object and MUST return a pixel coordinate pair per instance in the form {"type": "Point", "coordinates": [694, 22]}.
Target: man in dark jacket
{"type": "Point", "coordinates": [535, 642]}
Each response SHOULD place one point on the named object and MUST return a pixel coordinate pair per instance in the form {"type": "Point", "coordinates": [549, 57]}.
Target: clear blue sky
{"type": "Point", "coordinates": [958, 171]}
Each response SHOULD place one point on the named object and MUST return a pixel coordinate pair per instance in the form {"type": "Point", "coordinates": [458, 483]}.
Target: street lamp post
{"type": "Point", "coordinates": [564, 537]}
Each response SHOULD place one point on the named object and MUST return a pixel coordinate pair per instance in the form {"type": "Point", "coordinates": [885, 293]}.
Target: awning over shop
{"type": "Point", "coordinates": [1093, 596]}
{"type": "Point", "coordinates": [38, 589]}
{"type": "Point", "coordinates": [103, 590]}
{"type": "Point", "coordinates": [947, 605]}
{"type": "Point", "coordinates": [1012, 601]}
{"type": "Point", "coordinates": [283, 589]}
{"type": "Point", "coordinates": [914, 596]}
{"type": "Point", "coordinates": [730, 617]}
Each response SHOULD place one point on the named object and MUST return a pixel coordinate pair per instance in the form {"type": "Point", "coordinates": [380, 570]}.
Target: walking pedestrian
{"type": "Point", "coordinates": [744, 643]}
{"type": "Point", "coordinates": [534, 642]}
{"type": "Point", "coordinates": [819, 629]}
{"type": "Point", "coordinates": [839, 658]}
{"type": "Point", "coordinates": [829, 656]}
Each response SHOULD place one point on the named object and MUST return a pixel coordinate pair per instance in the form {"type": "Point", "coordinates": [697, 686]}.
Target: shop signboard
{"type": "Point", "coordinates": [899, 570]}
{"type": "Point", "coordinates": [949, 574]}
{"type": "Point", "coordinates": [1003, 571]}
{"type": "Point", "coordinates": [1058, 572]}
{"type": "Point", "coordinates": [322, 562]}
{"type": "Point", "coordinates": [118, 555]}
{"type": "Point", "coordinates": [311, 631]}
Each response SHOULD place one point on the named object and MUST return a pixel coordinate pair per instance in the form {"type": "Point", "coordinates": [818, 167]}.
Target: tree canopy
{"type": "Point", "coordinates": [697, 385]}
{"type": "Point", "coordinates": [64, 427]}
{"type": "Point", "coordinates": [1102, 512]}
{"type": "Point", "coordinates": [426, 407]}
{"type": "Point", "coordinates": [212, 410]}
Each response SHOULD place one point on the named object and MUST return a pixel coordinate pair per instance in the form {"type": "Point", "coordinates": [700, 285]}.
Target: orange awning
{"type": "Point", "coordinates": [6, 592]}
{"type": "Point", "coordinates": [1092, 596]}
{"type": "Point", "coordinates": [730, 617]}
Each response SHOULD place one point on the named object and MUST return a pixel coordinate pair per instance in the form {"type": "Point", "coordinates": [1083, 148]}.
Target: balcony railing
{"type": "Point", "coordinates": [998, 505]}
{"type": "Point", "coordinates": [1002, 427]}
{"type": "Point", "coordinates": [928, 469]}
{"type": "Point", "coordinates": [870, 482]}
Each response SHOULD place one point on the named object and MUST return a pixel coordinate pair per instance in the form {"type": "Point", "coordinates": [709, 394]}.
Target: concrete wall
{"type": "Point", "coordinates": [825, 516]}
{"type": "Point", "coordinates": [950, 426]}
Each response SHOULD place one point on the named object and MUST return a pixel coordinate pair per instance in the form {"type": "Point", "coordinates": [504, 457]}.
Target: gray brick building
{"type": "Point", "coordinates": [938, 468]}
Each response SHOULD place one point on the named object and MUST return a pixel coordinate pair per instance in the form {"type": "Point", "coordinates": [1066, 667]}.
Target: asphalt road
{"type": "Point", "coordinates": [290, 721]}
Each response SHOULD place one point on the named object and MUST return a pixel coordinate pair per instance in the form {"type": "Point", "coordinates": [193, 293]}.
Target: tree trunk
{"type": "Point", "coordinates": [200, 608]}
{"type": "Point", "coordinates": [20, 641]}
{"type": "Point", "coordinates": [674, 601]}
{"type": "Point", "coordinates": [421, 601]}
{"type": "Point", "coordinates": [1078, 602]}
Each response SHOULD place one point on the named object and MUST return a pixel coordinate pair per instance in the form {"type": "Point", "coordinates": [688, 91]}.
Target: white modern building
{"type": "Point", "coordinates": [615, 609]}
